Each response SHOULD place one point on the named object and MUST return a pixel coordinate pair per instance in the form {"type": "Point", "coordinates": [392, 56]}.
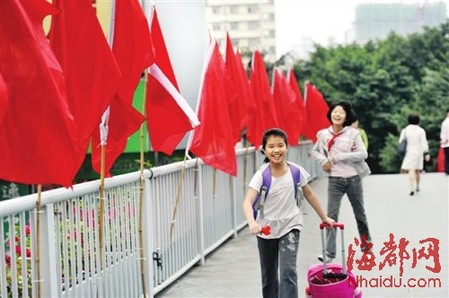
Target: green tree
{"type": "Point", "coordinates": [386, 80]}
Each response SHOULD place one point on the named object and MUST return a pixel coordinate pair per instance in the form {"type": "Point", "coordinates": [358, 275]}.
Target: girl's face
{"type": "Point", "coordinates": [275, 149]}
{"type": "Point", "coordinates": [338, 116]}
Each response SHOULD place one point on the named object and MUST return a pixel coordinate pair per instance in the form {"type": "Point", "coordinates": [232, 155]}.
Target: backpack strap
{"type": "Point", "coordinates": [263, 192]}
{"type": "Point", "coordinates": [296, 179]}
{"type": "Point", "coordinates": [259, 201]}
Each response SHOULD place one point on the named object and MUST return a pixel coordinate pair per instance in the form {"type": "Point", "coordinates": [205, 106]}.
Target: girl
{"type": "Point", "coordinates": [278, 250]}
{"type": "Point", "coordinates": [340, 151]}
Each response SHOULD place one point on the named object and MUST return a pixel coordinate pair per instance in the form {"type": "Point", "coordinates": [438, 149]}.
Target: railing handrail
{"type": "Point", "coordinates": [209, 213]}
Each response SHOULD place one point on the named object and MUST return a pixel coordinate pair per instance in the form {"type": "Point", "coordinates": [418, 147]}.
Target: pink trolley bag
{"type": "Point", "coordinates": [331, 280]}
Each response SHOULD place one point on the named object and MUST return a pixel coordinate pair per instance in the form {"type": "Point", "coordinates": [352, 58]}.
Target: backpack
{"type": "Point", "coordinates": [265, 188]}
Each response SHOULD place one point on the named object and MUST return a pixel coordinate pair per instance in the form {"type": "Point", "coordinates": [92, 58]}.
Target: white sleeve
{"type": "Point", "coordinates": [256, 182]}
{"type": "Point", "coordinates": [304, 176]}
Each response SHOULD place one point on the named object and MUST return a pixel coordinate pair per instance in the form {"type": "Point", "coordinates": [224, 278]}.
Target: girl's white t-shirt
{"type": "Point", "coordinates": [281, 212]}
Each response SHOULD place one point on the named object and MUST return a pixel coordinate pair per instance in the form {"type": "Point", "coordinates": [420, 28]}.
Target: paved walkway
{"type": "Point", "coordinates": [416, 224]}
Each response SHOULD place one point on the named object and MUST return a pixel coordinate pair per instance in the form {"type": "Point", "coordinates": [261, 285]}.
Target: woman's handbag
{"type": "Point", "coordinates": [402, 147]}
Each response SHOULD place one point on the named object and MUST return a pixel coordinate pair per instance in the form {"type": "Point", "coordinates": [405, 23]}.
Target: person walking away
{"type": "Point", "coordinates": [444, 141]}
{"type": "Point", "coordinates": [417, 150]}
{"type": "Point", "coordinates": [340, 151]}
{"type": "Point", "coordinates": [278, 250]}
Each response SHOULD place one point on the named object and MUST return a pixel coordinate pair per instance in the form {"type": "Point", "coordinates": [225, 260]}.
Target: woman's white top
{"type": "Point", "coordinates": [416, 147]}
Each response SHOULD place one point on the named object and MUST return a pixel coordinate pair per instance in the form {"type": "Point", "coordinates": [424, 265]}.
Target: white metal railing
{"type": "Point", "coordinates": [188, 210]}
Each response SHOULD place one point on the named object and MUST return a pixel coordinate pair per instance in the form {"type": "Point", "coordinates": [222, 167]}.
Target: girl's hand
{"type": "Point", "coordinates": [329, 221]}
{"type": "Point", "coordinates": [255, 228]}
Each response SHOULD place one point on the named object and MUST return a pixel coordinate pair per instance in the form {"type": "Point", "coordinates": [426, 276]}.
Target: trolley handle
{"type": "Point", "coordinates": [336, 225]}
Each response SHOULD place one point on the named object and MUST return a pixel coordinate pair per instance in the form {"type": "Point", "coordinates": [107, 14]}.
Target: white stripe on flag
{"type": "Point", "coordinates": [157, 73]}
{"type": "Point", "coordinates": [104, 127]}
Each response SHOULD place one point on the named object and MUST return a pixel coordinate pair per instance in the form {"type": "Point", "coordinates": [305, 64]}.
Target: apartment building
{"type": "Point", "coordinates": [376, 21]}
{"type": "Point", "coordinates": [250, 23]}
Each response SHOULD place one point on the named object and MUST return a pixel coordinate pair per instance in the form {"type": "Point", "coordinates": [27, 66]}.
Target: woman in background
{"type": "Point", "coordinates": [340, 151]}
{"type": "Point", "coordinates": [363, 134]}
{"type": "Point", "coordinates": [417, 150]}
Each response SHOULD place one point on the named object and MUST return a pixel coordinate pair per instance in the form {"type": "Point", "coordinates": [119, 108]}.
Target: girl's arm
{"type": "Point", "coordinates": [315, 203]}
{"type": "Point", "coordinates": [254, 227]}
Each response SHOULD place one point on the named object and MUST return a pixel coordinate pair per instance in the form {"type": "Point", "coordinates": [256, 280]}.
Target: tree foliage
{"type": "Point", "coordinates": [385, 80]}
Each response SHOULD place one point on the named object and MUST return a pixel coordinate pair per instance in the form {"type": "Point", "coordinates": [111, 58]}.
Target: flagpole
{"type": "Point", "coordinates": [101, 207]}
{"type": "Point", "coordinates": [38, 241]}
{"type": "Point", "coordinates": [178, 200]}
{"type": "Point", "coordinates": [142, 186]}
{"type": "Point", "coordinates": [305, 92]}
{"type": "Point", "coordinates": [103, 137]}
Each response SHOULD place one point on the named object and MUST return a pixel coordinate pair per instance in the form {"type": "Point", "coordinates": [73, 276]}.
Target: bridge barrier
{"type": "Point", "coordinates": [155, 227]}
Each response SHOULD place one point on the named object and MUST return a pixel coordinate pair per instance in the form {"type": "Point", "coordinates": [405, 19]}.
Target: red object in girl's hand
{"type": "Point", "coordinates": [266, 230]}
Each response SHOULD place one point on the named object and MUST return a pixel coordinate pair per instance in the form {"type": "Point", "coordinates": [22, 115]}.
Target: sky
{"type": "Point", "coordinates": [320, 19]}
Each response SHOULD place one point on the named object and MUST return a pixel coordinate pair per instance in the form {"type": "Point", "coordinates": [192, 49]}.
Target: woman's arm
{"type": "Point", "coordinates": [318, 150]}
{"type": "Point", "coordinates": [357, 151]}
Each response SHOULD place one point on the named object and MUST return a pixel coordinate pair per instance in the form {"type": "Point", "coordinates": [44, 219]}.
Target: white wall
{"type": "Point", "coordinates": [185, 34]}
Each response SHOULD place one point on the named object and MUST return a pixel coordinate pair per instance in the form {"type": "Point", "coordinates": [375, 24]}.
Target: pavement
{"type": "Point", "coordinates": [409, 255]}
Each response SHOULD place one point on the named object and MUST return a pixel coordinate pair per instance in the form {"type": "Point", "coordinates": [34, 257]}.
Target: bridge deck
{"type": "Point", "coordinates": [416, 224]}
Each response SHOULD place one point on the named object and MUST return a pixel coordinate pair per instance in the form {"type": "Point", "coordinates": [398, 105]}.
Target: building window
{"type": "Point", "coordinates": [253, 43]}
{"type": "Point", "coordinates": [253, 25]}
{"type": "Point", "coordinates": [269, 33]}
{"type": "Point", "coordinates": [234, 9]}
{"type": "Point", "coordinates": [253, 8]}
{"type": "Point", "coordinates": [234, 25]}
{"type": "Point", "coordinates": [216, 26]}
{"type": "Point", "coordinates": [268, 16]}
{"type": "Point", "coordinates": [216, 10]}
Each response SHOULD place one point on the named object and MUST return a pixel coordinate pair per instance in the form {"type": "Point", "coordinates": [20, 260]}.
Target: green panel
{"type": "Point", "coordinates": [133, 144]}
{"type": "Point", "coordinates": [11, 190]}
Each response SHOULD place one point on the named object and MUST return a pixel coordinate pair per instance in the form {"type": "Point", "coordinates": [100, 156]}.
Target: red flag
{"type": "Point", "coordinates": [212, 141]}
{"type": "Point", "coordinates": [38, 138]}
{"type": "Point", "coordinates": [231, 85]}
{"type": "Point", "coordinates": [287, 109]}
{"type": "Point", "coordinates": [133, 51]}
{"type": "Point", "coordinates": [164, 103]}
{"type": "Point", "coordinates": [299, 102]}
{"type": "Point", "coordinates": [92, 74]}
{"type": "Point", "coordinates": [3, 99]}
{"type": "Point", "coordinates": [249, 104]}
{"type": "Point", "coordinates": [317, 109]}
{"type": "Point", "coordinates": [245, 104]}
{"type": "Point", "coordinates": [265, 116]}
{"type": "Point", "coordinates": [237, 97]}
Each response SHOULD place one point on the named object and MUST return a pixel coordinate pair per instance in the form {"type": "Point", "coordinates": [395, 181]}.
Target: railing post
{"type": "Point", "coordinates": [49, 282]}
{"type": "Point", "coordinates": [148, 224]}
{"type": "Point", "coordinates": [233, 205]}
{"type": "Point", "coordinates": [200, 217]}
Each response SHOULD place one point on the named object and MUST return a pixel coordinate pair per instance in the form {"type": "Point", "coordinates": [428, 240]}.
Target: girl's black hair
{"type": "Point", "coordinates": [351, 116]}
{"type": "Point", "coordinates": [413, 119]}
{"type": "Point", "coordinates": [277, 132]}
